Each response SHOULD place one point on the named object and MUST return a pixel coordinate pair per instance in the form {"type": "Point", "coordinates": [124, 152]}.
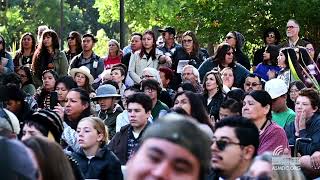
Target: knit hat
{"type": "Point", "coordinates": [9, 121]}
{"type": "Point", "coordinates": [51, 120]}
{"type": "Point", "coordinates": [15, 161]}
{"type": "Point", "coordinates": [181, 131]}
{"type": "Point", "coordinates": [240, 40]}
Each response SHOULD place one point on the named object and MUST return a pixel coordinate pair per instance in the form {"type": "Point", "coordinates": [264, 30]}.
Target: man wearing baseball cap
{"type": "Point", "coordinates": [281, 114]}
{"type": "Point", "coordinates": [169, 46]}
{"type": "Point", "coordinates": [173, 148]}
{"type": "Point", "coordinates": [106, 96]}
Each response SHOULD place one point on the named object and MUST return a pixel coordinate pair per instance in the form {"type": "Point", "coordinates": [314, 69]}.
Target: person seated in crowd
{"type": "Point", "coordinates": [186, 87]}
{"type": "Point", "coordinates": [152, 88]}
{"type": "Point", "coordinates": [25, 52]}
{"type": "Point", "coordinates": [213, 92]}
{"type": "Point", "coordinates": [14, 79]}
{"type": "Point", "coordinates": [83, 78]}
{"type": "Point", "coordinates": [168, 151]}
{"type": "Point", "coordinates": [293, 93]}
{"type": "Point", "coordinates": [230, 107]}
{"type": "Point", "coordinates": [135, 45]}
{"type": "Point", "coordinates": [236, 94]}
{"type": "Point", "coordinates": [236, 40]}
{"type": "Point", "coordinates": [166, 75]}
{"type": "Point", "coordinates": [48, 57]}
{"type": "Point", "coordinates": [257, 108]}
{"type": "Point", "coordinates": [191, 74]}
{"type": "Point", "coordinates": [49, 78]}
{"type": "Point", "coordinates": [9, 124]}
{"type": "Point", "coordinates": [261, 167]}
{"type": "Point", "coordinates": [281, 114]}
{"type": "Point", "coordinates": [125, 142]}
{"type": "Point", "coordinates": [151, 73]}
{"type": "Point", "coordinates": [95, 160]}
{"type": "Point", "coordinates": [13, 98]}
{"type": "Point", "coordinates": [87, 57]}
{"type": "Point", "coordinates": [227, 77]}
{"type": "Point", "coordinates": [149, 56]}
{"type": "Point", "coordinates": [107, 99]}
{"type": "Point", "coordinates": [190, 50]}
{"type": "Point", "coordinates": [269, 63]}
{"type": "Point", "coordinates": [114, 55]}
{"type": "Point", "coordinates": [26, 80]}
{"type": "Point", "coordinates": [123, 118]}
{"type": "Point", "coordinates": [16, 161]}
{"type": "Point", "coordinates": [118, 74]}
{"type": "Point", "coordinates": [50, 158]}
{"type": "Point", "coordinates": [6, 62]}
{"type": "Point", "coordinates": [306, 123]}
{"type": "Point", "coordinates": [74, 45]}
{"type": "Point", "coordinates": [292, 31]}
{"type": "Point", "coordinates": [234, 145]}
{"type": "Point", "coordinates": [63, 86]}
{"type": "Point", "coordinates": [224, 57]}
{"type": "Point", "coordinates": [289, 73]}
{"type": "Point", "coordinates": [169, 45]}
{"type": "Point", "coordinates": [271, 37]}
{"type": "Point", "coordinates": [252, 82]}
{"type": "Point", "coordinates": [193, 105]}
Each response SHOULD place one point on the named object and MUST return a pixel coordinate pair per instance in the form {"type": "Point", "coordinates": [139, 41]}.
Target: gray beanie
{"type": "Point", "coordinates": [182, 131]}
{"type": "Point", "coordinates": [240, 40]}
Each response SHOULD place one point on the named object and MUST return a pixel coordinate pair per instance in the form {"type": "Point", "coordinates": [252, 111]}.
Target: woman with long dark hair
{"type": "Point", "coordinates": [25, 75]}
{"type": "Point", "coordinates": [26, 50]}
{"type": "Point", "coordinates": [49, 56]}
{"type": "Point", "coordinates": [74, 45]}
{"type": "Point", "coordinates": [5, 58]}
{"type": "Point", "coordinates": [193, 105]}
{"type": "Point", "coordinates": [149, 56]}
{"type": "Point", "coordinates": [224, 57]}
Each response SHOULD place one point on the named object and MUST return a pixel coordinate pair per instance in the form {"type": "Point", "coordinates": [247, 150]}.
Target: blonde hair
{"type": "Point", "coordinates": [98, 125]}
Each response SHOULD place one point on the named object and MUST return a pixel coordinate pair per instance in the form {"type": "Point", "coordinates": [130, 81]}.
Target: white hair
{"type": "Point", "coordinates": [194, 71]}
{"type": "Point", "coordinates": [155, 73]}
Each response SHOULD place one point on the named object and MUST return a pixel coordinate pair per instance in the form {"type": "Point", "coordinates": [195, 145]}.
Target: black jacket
{"type": "Point", "coordinates": [104, 165]}
{"type": "Point", "coordinates": [312, 131]}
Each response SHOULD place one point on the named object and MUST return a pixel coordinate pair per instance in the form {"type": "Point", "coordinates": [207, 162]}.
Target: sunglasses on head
{"type": "Point", "coordinates": [222, 144]}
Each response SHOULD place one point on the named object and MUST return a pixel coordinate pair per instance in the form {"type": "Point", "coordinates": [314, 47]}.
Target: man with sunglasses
{"type": "Point", "coordinates": [292, 31]}
{"type": "Point", "coordinates": [234, 146]}
{"type": "Point", "coordinates": [252, 82]}
{"type": "Point", "coordinates": [169, 46]}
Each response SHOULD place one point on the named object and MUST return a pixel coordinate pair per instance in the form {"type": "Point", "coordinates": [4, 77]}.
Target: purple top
{"type": "Point", "coordinates": [273, 139]}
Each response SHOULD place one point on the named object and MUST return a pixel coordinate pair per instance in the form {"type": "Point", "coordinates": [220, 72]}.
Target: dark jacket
{"type": "Point", "coordinates": [181, 54]}
{"type": "Point", "coordinates": [104, 165]}
{"type": "Point", "coordinates": [119, 143]}
{"type": "Point", "coordinates": [300, 42]}
{"type": "Point", "coordinates": [242, 59]}
{"type": "Point", "coordinates": [94, 71]}
{"type": "Point", "coordinates": [240, 73]}
{"type": "Point", "coordinates": [109, 118]}
{"type": "Point", "coordinates": [312, 131]}
{"type": "Point", "coordinates": [214, 106]}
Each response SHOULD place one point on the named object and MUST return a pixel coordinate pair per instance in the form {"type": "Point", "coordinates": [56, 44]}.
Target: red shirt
{"type": "Point", "coordinates": [109, 61]}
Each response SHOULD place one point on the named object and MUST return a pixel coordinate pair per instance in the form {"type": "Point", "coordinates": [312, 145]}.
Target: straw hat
{"type": "Point", "coordinates": [84, 70]}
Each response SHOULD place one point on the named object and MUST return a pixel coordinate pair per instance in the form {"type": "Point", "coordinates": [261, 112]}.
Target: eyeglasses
{"type": "Point", "coordinates": [229, 37]}
{"type": "Point", "coordinates": [229, 53]}
{"type": "Point", "coordinates": [72, 38]}
{"type": "Point", "coordinates": [271, 35]}
{"type": "Point", "coordinates": [1, 41]}
{"type": "Point", "coordinates": [291, 27]}
{"type": "Point", "coordinates": [146, 76]}
{"type": "Point", "coordinates": [149, 90]}
{"type": "Point", "coordinates": [252, 84]}
{"type": "Point", "coordinates": [187, 40]}
{"type": "Point", "coordinates": [222, 144]}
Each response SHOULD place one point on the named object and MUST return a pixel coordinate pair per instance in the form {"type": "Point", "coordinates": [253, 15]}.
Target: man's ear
{"type": "Point", "coordinates": [248, 152]}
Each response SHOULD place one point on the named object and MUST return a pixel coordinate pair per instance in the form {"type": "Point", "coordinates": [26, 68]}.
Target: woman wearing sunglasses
{"type": "Point", "coordinates": [257, 108]}
{"type": "Point", "coordinates": [224, 57]}
{"type": "Point", "coordinates": [74, 45]}
{"type": "Point", "coordinates": [271, 36]}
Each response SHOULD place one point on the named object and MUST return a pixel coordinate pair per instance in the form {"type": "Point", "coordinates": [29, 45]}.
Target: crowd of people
{"type": "Point", "coordinates": [161, 108]}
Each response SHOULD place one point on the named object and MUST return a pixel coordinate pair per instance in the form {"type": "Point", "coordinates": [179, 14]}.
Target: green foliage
{"type": "Point", "coordinates": [101, 47]}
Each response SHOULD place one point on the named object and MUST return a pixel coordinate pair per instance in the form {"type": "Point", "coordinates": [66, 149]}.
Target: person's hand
{"type": "Point", "coordinates": [168, 60]}
{"type": "Point", "coordinates": [59, 110]}
{"type": "Point", "coordinates": [315, 160]}
{"type": "Point", "coordinates": [302, 120]}
{"type": "Point", "coordinates": [271, 74]}
{"type": "Point", "coordinates": [92, 95]}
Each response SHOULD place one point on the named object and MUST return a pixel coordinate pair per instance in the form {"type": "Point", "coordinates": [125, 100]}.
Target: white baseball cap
{"type": "Point", "coordinates": [276, 88]}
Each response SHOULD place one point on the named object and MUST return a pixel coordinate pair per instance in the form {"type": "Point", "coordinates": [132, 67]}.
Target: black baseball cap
{"type": "Point", "coordinates": [168, 29]}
